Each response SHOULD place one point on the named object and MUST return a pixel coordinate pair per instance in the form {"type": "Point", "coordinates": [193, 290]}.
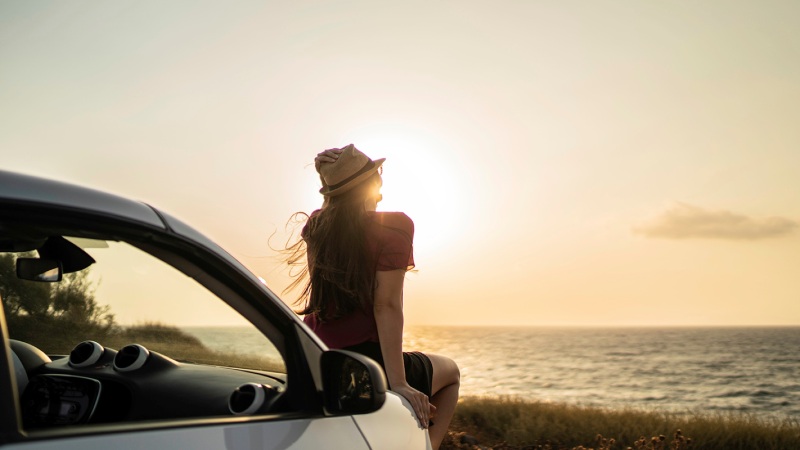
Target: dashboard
{"type": "Point", "coordinates": [94, 384]}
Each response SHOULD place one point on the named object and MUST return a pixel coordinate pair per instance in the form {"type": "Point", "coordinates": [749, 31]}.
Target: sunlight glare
{"type": "Point", "coordinates": [418, 179]}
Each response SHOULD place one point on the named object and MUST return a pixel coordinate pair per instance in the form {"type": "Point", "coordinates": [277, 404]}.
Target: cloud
{"type": "Point", "coordinates": [682, 221]}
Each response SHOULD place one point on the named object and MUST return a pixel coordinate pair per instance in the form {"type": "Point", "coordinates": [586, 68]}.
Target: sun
{"type": "Point", "coordinates": [418, 179]}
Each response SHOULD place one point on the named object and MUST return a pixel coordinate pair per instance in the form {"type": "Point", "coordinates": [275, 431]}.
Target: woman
{"type": "Point", "coordinates": [356, 261]}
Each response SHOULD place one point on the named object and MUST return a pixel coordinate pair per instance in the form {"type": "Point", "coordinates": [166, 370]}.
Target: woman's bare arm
{"type": "Point", "coordinates": [389, 318]}
{"type": "Point", "coordinates": [388, 311]}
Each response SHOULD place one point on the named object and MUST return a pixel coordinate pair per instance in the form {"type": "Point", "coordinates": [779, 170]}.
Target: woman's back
{"type": "Point", "coordinates": [388, 241]}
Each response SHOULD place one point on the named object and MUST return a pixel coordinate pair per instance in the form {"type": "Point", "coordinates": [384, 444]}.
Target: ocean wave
{"type": "Point", "coordinates": [779, 360]}
{"type": "Point", "coordinates": [622, 353]}
{"type": "Point", "coordinates": [748, 393]}
{"type": "Point", "coordinates": [657, 398]}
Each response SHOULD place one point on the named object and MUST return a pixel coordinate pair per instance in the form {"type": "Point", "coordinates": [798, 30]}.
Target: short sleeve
{"type": "Point", "coordinates": [396, 241]}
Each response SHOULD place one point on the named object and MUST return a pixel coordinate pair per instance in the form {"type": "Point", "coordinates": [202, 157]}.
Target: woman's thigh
{"type": "Point", "coordinates": [445, 372]}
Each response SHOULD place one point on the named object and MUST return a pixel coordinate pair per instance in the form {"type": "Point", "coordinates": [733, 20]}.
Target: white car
{"type": "Point", "coordinates": [122, 327]}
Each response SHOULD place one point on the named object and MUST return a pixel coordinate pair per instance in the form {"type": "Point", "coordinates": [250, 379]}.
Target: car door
{"type": "Point", "coordinates": [181, 353]}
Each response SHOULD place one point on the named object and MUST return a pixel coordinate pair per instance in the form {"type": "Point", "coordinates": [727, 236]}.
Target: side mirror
{"type": "Point", "coordinates": [351, 383]}
{"type": "Point", "coordinates": [35, 269]}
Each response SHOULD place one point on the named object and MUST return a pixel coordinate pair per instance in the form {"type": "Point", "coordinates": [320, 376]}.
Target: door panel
{"type": "Point", "coordinates": [402, 435]}
{"type": "Point", "coordinates": [333, 433]}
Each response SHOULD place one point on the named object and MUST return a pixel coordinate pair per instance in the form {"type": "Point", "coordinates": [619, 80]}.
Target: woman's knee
{"type": "Point", "coordinates": [445, 371]}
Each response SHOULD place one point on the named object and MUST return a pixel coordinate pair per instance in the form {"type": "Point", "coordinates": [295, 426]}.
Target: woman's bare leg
{"type": "Point", "coordinates": [446, 381]}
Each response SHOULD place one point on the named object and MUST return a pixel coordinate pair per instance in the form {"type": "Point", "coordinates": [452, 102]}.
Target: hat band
{"type": "Point", "coordinates": [367, 167]}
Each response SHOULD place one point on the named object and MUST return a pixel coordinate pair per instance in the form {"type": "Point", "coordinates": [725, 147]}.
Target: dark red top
{"type": "Point", "coordinates": [390, 237]}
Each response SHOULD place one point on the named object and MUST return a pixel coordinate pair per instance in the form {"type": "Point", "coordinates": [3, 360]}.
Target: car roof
{"type": "Point", "coordinates": [18, 189]}
{"type": "Point", "coordinates": [22, 189]}
{"type": "Point", "coordinates": [26, 189]}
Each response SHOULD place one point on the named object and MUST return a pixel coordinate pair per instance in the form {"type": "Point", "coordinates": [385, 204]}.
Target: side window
{"type": "Point", "coordinates": [168, 347]}
{"type": "Point", "coordinates": [130, 297]}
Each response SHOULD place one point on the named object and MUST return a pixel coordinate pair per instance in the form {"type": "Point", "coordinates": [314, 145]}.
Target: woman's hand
{"type": "Point", "coordinates": [327, 156]}
{"type": "Point", "coordinates": [419, 401]}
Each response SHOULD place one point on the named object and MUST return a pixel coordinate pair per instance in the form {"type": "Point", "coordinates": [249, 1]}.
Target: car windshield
{"type": "Point", "coordinates": [128, 296]}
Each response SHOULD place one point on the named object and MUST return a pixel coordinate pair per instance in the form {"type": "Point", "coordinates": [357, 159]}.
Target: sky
{"type": "Point", "coordinates": [589, 163]}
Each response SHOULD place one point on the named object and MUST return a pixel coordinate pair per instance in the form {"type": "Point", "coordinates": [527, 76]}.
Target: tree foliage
{"type": "Point", "coordinates": [52, 316]}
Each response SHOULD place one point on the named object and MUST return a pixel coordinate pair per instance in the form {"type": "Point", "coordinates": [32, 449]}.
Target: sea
{"type": "Point", "coordinates": [751, 370]}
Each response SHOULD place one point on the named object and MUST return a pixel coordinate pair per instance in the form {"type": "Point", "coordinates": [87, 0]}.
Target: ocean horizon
{"type": "Point", "coordinates": [681, 369]}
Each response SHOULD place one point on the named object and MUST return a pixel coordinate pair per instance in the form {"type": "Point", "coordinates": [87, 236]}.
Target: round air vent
{"type": "Point", "coordinates": [130, 357]}
{"type": "Point", "coordinates": [247, 399]}
{"type": "Point", "coordinates": [85, 354]}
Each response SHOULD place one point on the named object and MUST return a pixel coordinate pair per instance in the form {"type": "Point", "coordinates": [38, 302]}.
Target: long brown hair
{"type": "Point", "coordinates": [333, 257]}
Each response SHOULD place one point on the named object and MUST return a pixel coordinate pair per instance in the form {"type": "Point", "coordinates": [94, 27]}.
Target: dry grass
{"type": "Point", "coordinates": [182, 346]}
{"type": "Point", "coordinates": [508, 423]}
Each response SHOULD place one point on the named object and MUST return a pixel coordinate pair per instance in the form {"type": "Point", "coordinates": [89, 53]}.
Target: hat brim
{"type": "Point", "coordinates": [327, 191]}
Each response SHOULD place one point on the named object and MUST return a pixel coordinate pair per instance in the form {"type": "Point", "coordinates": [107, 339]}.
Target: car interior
{"type": "Point", "coordinates": [102, 331]}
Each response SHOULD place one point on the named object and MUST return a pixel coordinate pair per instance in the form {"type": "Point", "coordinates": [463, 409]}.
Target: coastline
{"type": "Point", "coordinates": [735, 369]}
{"type": "Point", "coordinates": [509, 423]}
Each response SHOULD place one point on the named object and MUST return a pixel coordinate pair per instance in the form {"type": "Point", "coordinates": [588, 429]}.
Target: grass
{"type": "Point", "coordinates": [182, 346]}
{"type": "Point", "coordinates": [509, 423]}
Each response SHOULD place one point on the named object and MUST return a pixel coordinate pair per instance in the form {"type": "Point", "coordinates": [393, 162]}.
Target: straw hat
{"type": "Point", "coordinates": [352, 168]}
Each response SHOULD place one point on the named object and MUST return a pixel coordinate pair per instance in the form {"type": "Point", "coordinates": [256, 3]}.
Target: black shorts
{"type": "Point", "coordinates": [419, 371]}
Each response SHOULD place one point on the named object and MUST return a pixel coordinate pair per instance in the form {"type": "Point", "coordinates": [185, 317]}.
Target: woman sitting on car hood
{"type": "Point", "coordinates": [356, 259]}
